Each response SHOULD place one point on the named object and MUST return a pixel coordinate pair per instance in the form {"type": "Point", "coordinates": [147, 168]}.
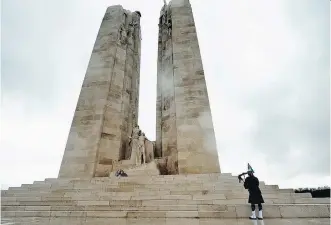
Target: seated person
{"type": "Point", "coordinates": [120, 173]}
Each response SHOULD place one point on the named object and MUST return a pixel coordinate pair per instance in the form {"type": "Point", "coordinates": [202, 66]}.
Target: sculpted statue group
{"type": "Point", "coordinates": [138, 154]}
{"type": "Point", "coordinates": [127, 34]}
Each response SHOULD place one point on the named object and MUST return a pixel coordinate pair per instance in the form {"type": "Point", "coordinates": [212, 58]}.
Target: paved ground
{"type": "Point", "coordinates": [168, 221]}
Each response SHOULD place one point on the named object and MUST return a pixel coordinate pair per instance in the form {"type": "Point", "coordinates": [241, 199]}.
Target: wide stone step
{"type": "Point", "coordinates": [142, 189]}
{"type": "Point", "coordinates": [121, 182]}
{"type": "Point", "coordinates": [145, 194]}
{"type": "Point", "coordinates": [143, 184]}
{"type": "Point", "coordinates": [233, 211]}
{"type": "Point", "coordinates": [156, 202]}
{"type": "Point", "coordinates": [159, 221]}
{"type": "Point", "coordinates": [155, 196]}
{"type": "Point", "coordinates": [140, 205]}
{"type": "Point", "coordinates": [149, 169]}
{"type": "Point", "coordinates": [99, 194]}
{"type": "Point", "coordinates": [159, 202]}
{"type": "Point", "coordinates": [126, 182]}
{"type": "Point", "coordinates": [140, 180]}
{"type": "Point", "coordinates": [145, 179]}
{"type": "Point", "coordinates": [167, 177]}
{"type": "Point", "coordinates": [138, 187]}
{"type": "Point", "coordinates": [116, 208]}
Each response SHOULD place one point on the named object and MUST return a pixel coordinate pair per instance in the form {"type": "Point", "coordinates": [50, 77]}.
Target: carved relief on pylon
{"type": "Point", "coordinates": [166, 103]}
{"type": "Point", "coordinates": [123, 35]}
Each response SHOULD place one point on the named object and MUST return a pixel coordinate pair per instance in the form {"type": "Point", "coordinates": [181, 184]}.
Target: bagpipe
{"type": "Point", "coordinates": [240, 177]}
{"type": "Point", "coordinates": [249, 169]}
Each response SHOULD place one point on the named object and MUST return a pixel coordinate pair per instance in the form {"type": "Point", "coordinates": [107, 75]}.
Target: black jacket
{"type": "Point", "coordinates": [255, 195]}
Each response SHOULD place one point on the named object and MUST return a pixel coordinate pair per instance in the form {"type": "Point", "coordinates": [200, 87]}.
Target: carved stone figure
{"type": "Point", "coordinates": [134, 24]}
{"type": "Point", "coordinates": [141, 149]}
{"type": "Point", "coordinates": [169, 25]}
{"type": "Point", "coordinates": [130, 33]}
{"type": "Point", "coordinates": [123, 35]}
{"type": "Point", "coordinates": [166, 104]}
{"type": "Point", "coordinates": [139, 13]}
{"type": "Point", "coordinates": [135, 144]}
{"type": "Point", "coordinates": [164, 18]}
{"type": "Point", "coordinates": [136, 132]}
{"type": "Point", "coordinates": [133, 113]}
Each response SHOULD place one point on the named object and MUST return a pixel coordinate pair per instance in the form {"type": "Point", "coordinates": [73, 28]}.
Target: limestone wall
{"type": "Point", "coordinates": [166, 136]}
{"type": "Point", "coordinates": [149, 148]}
{"type": "Point", "coordinates": [107, 108]}
{"type": "Point", "coordinates": [184, 124]}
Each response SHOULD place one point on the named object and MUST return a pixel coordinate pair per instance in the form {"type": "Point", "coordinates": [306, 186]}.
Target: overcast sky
{"type": "Point", "coordinates": [267, 65]}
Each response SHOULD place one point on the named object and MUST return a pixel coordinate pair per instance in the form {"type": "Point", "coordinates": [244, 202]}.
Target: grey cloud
{"type": "Point", "coordinates": [290, 111]}
{"type": "Point", "coordinates": [296, 112]}
{"type": "Point", "coordinates": [27, 63]}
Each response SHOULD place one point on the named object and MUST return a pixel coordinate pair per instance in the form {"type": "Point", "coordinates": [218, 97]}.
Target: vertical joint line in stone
{"type": "Point", "coordinates": [173, 81]}
{"type": "Point", "coordinates": [136, 51]}
{"type": "Point", "coordinates": [120, 155]}
{"type": "Point", "coordinates": [159, 89]}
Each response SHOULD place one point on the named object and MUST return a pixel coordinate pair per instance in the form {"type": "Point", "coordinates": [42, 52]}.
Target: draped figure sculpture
{"type": "Point", "coordinates": [141, 149]}
{"type": "Point", "coordinates": [135, 145]}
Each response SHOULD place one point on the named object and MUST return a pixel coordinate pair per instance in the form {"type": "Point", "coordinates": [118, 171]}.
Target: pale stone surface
{"type": "Point", "coordinates": [166, 130]}
{"type": "Point", "coordinates": [185, 133]}
{"type": "Point", "coordinates": [149, 148]}
{"type": "Point", "coordinates": [161, 221]}
{"type": "Point", "coordinates": [107, 108]}
{"type": "Point", "coordinates": [148, 169]}
{"type": "Point", "coordinates": [147, 195]}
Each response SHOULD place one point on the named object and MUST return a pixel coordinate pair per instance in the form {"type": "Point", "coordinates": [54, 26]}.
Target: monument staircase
{"type": "Point", "coordinates": [145, 194]}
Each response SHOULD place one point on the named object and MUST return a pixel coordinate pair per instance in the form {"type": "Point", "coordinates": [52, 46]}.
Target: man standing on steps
{"type": "Point", "coordinates": [255, 195]}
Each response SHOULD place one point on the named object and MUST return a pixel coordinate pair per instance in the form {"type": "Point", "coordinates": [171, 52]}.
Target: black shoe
{"type": "Point", "coordinates": [260, 218]}
{"type": "Point", "coordinates": [251, 218]}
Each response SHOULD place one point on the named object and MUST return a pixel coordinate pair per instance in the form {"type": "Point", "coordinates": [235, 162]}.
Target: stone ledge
{"type": "Point", "coordinates": [205, 199]}
{"type": "Point", "coordinates": [241, 211]}
{"type": "Point", "coordinates": [157, 221]}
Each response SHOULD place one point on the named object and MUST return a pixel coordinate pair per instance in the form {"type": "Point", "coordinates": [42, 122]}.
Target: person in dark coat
{"type": "Point", "coordinates": [120, 173]}
{"type": "Point", "coordinates": [255, 196]}
{"type": "Point", "coordinates": [123, 174]}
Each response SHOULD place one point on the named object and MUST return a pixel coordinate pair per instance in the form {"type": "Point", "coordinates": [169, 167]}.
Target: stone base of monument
{"type": "Point", "coordinates": [145, 198]}
{"type": "Point", "coordinates": [161, 221]}
{"type": "Point", "coordinates": [148, 169]}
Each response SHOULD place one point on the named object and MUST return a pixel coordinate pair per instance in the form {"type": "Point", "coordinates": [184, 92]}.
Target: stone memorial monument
{"type": "Point", "coordinates": [174, 180]}
{"type": "Point", "coordinates": [184, 132]}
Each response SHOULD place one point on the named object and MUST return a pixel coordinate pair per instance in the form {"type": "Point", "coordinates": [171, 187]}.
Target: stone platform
{"type": "Point", "coordinates": [149, 169]}
{"type": "Point", "coordinates": [165, 221]}
{"type": "Point", "coordinates": [161, 199]}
